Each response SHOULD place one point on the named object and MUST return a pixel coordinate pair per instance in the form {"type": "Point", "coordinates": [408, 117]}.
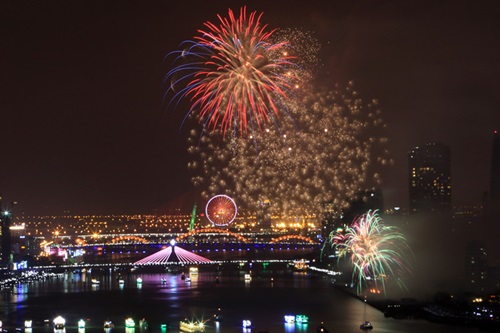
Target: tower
{"type": "Point", "coordinates": [495, 168]}
{"type": "Point", "coordinates": [6, 239]}
{"type": "Point", "coordinates": [430, 178]}
{"type": "Point", "coordinates": [476, 265]}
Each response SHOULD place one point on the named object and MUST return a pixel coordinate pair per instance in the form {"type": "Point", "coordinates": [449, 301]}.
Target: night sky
{"type": "Point", "coordinates": [84, 128]}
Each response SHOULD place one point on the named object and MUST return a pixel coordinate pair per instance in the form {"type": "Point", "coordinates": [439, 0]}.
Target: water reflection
{"type": "Point", "coordinates": [289, 327]}
{"type": "Point", "coordinates": [166, 298]}
{"type": "Point", "coordinates": [20, 292]}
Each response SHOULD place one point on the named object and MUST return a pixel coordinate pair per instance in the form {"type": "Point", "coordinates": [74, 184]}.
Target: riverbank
{"type": "Point", "coordinates": [483, 315]}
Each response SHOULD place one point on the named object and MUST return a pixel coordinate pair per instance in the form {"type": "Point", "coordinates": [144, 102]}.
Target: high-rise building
{"type": "Point", "coordinates": [430, 178]}
{"type": "Point", "coordinates": [476, 265]}
{"type": "Point", "coordinates": [5, 240]}
{"type": "Point", "coordinates": [495, 167]}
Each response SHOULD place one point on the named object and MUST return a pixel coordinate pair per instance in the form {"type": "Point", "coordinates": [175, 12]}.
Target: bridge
{"type": "Point", "coordinates": [216, 244]}
{"type": "Point", "coordinates": [203, 235]}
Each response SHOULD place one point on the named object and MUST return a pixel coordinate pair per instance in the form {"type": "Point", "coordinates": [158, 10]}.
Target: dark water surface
{"type": "Point", "coordinates": [264, 300]}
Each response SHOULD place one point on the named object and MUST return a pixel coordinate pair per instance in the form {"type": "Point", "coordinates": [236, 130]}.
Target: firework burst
{"type": "Point", "coordinates": [375, 250]}
{"type": "Point", "coordinates": [235, 73]}
{"type": "Point", "coordinates": [322, 153]}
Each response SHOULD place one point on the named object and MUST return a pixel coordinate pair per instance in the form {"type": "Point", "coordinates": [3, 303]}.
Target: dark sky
{"type": "Point", "coordinates": [83, 127]}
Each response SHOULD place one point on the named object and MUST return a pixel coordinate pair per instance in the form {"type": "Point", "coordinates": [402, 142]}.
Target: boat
{"type": "Point", "coordinates": [139, 280]}
{"type": "Point", "coordinates": [301, 265]}
{"type": "Point", "coordinates": [301, 319]}
{"type": "Point", "coordinates": [192, 326]}
{"type": "Point", "coordinates": [247, 323]}
{"type": "Point", "coordinates": [59, 324]}
{"type": "Point", "coordinates": [129, 323]}
{"type": "Point", "coordinates": [217, 316]}
{"type": "Point", "coordinates": [321, 329]}
{"type": "Point", "coordinates": [95, 281]}
{"type": "Point", "coordinates": [143, 324]}
{"type": "Point", "coordinates": [108, 324]}
{"type": "Point", "coordinates": [81, 323]}
{"type": "Point", "coordinates": [366, 325]}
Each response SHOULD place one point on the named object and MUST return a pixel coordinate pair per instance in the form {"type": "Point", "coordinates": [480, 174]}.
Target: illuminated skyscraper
{"type": "Point", "coordinates": [495, 167]}
{"type": "Point", "coordinates": [476, 265]}
{"type": "Point", "coordinates": [5, 240]}
{"type": "Point", "coordinates": [430, 178]}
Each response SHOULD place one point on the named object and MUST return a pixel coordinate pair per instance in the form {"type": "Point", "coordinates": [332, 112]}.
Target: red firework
{"type": "Point", "coordinates": [237, 74]}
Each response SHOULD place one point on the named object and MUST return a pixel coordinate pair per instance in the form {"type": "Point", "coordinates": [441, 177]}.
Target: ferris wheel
{"type": "Point", "coordinates": [221, 210]}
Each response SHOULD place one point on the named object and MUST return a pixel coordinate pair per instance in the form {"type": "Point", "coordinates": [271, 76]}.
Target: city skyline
{"type": "Point", "coordinates": [85, 128]}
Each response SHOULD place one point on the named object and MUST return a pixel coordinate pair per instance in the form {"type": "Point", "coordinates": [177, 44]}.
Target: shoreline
{"type": "Point", "coordinates": [408, 308]}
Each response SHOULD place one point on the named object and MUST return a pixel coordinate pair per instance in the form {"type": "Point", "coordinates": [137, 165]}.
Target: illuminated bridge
{"type": "Point", "coordinates": [213, 243]}
{"type": "Point", "coordinates": [205, 235]}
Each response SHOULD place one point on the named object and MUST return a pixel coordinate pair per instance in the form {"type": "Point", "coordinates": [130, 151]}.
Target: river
{"type": "Point", "coordinates": [167, 298]}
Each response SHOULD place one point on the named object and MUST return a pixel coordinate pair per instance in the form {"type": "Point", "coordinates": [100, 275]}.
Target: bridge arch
{"type": "Point", "coordinates": [297, 237]}
{"type": "Point", "coordinates": [128, 239]}
{"type": "Point", "coordinates": [212, 230]}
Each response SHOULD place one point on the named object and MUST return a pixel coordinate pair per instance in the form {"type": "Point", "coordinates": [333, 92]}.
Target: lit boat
{"type": "Point", "coordinates": [217, 316]}
{"type": "Point", "coordinates": [247, 323]}
{"type": "Point", "coordinates": [81, 323]}
{"type": "Point", "coordinates": [188, 279]}
{"type": "Point", "coordinates": [191, 327]}
{"type": "Point", "coordinates": [248, 277]}
{"type": "Point", "coordinates": [366, 325]}
{"type": "Point", "coordinates": [321, 329]}
{"type": "Point", "coordinates": [108, 325]}
{"type": "Point", "coordinates": [193, 270]}
{"type": "Point", "coordinates": [143, 324]}
{"type": "Point", "coordinates": [121, 281]}
{"type": "Point", "coordinates": [129, 322]}
{"type": "Point", "coordinates": [28, 324]}
{"type": "Point", "coordinates": [95, 281]}
{"type": "Point", "coordinates": [301, 319]}
{"type": "Point", "coordinates": [301, 265]}
{"type": "Point", "coordinates": [290, 319]}
{"type": "Point", "coordinates": [139, 280]}
{"type": "Point", "coordinates": [59, 323]}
